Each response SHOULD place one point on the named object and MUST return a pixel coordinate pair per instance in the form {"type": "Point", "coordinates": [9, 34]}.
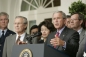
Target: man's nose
{"type": "Point", "coordinates": [16, 25]}
{"type": "Point", "coordinates": [43, 31]}
{"type": "Point", "coordinates": [3, 20]}
{"type": "Point", "coordinates": [71, 21]}
{"type": "Point", "coordinates": [56, 20]}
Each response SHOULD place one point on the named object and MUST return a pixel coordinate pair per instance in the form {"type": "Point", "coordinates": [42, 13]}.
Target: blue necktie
{"type": "Point", "coordinates": [2, 37]}
{"type": "Point", "coordinates": [2, 34]}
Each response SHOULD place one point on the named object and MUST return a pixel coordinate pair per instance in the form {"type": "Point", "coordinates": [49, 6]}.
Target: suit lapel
{"type": "Point", "coordinates": [12, 42]}
{"type": "Point", "coordinates": [7, 33]}
{"type": "Point", "coordinates": [82, 35]}
{"type": "Point", "coordinates": [13, 39]}
{"type": "Point", "coordinates": [51, 36]}
{"type": "Point", "coordinates": [25, 40]}
{"type": "Point", "coordinates": [62, 36]}
{"type": "Point", "coordinates": [63, 33]}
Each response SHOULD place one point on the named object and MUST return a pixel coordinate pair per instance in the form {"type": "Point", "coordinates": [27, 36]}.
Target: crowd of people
{"type": "Point", "coordinates": [65, 33]}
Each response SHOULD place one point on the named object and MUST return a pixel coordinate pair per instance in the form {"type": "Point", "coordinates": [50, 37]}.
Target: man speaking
{"type": "Point", "coordinates": [63, 39]}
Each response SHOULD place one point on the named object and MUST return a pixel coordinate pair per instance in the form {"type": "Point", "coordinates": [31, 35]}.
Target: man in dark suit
{"type": "Point", "coordinates": [77, 24]}
{"type": "Point", "coordinates": [20, 25]}
{"type": "Point", "coordinates": [4, 20]}
{"type": "Point", "coordinates": [67, 40]}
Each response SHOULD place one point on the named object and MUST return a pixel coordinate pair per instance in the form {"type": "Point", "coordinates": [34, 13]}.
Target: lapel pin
{"type": "Point", "coordinates": [63, 35]}
{"type": "Point", "coordinates": [10, 34]}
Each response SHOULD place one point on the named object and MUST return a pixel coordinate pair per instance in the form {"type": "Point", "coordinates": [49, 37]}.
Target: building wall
{"type": "Point", "coordinates": [12, 7]}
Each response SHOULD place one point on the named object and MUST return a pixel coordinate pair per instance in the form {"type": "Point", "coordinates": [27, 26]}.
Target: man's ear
{"type": "Point", "coordinates": [26, 25]}
{"type": "Point", "coordinates": [8, 20]}
{"type": "Point", "coordinates": [81, 21]}
{"type": "Point", "coordinates": [64, 21]}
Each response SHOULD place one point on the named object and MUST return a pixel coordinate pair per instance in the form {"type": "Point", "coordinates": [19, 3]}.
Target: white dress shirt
{"type": "Point", "coordinates": [4, 32]}
{"type": "Point", "coordinates": [21, 36]}
{"type": "Point", "coordinates": [60, 31]}
{"type": "Point", "coordinates": [79, 31]}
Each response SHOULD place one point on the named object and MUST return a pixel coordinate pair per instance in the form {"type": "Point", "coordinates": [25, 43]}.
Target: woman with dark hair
{"type": "Point", "coordinates": [45, 28]}
{"type": "Point", "coordinates": [33, 29]}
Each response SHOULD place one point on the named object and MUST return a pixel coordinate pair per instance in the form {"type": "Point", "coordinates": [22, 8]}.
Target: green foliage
{"type": "Point", "coordinates": [78, 7]}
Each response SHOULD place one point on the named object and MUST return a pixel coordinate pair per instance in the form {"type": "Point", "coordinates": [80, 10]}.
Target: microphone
{"type": "Point", "coordinates": [34, 35]}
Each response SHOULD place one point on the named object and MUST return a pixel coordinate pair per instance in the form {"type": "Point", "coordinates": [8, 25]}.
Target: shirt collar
{"type": "Point", "coordinates": [21, 35]}
{"type": "Point", "coordinates": [60, 31]}
{"type": "Point", "coordinates": [79, 31]}
{"type": "Point", "coordinates": [4, 31]}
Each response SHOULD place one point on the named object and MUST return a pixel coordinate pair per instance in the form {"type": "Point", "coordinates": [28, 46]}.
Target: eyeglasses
{"type": "Point", "coordinates": [74, 19]}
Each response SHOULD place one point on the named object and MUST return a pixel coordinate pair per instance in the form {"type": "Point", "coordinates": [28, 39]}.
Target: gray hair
{"type": "Point", "coordinates": [24, 18]}
{"type": "Point", "coordinates": [4, 13]}
{"type": "Point", "coordinates": [63, 14]}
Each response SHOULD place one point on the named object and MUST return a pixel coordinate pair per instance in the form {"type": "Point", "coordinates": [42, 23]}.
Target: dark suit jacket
{"type": "Point", "coordinates": [8, 32]}
{"type": "Point", "coordinates": [40, 41]}
{"type": "Point", "coordinates": [71, 38]}
{"type": "Point", "coordinates": [81, 44]}
{"type": "Point", "coordinates": [9, 43]}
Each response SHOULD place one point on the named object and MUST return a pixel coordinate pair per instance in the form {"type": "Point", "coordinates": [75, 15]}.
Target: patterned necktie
{"type": "Point", "coordinates": [57, 34]}
{"type": "Point", "coordinates": [18, 39]}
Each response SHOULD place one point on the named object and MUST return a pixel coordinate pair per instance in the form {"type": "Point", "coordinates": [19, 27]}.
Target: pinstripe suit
{"type": "Point", "coordinates": [71, 38]}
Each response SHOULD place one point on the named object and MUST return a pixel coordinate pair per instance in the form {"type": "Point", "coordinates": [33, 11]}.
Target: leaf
{"type": "Point", "coordinates": [78, 7]}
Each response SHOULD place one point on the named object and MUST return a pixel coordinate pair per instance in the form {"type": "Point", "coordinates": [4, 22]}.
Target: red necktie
{"type": "Point", "coordinates": [57, 34]}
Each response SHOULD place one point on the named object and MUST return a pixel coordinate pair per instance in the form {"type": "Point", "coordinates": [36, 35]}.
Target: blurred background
{"type": "Point", "coordinates": [35, 10]}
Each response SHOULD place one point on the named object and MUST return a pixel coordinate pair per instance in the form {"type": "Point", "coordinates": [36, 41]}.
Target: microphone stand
{"type": "Point", "coordinates": [29, 40]}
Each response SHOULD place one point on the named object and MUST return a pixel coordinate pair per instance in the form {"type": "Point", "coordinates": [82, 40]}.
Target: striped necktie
{"type": "Point", "coordinates": [57, 34]}
{"type": "Point", "coordinates": [18, 39]}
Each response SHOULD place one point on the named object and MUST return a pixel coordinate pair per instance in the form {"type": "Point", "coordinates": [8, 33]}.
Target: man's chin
{"type": "Point", "coordinates": [17, 31]}
{"type": "Point", "coordinates": [56, 27]}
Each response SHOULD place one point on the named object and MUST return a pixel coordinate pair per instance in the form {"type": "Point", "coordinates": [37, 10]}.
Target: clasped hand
{"type": "Point", "coordinates": [21, 42]}
{"type": "Point", "coordinates": [57, 41]}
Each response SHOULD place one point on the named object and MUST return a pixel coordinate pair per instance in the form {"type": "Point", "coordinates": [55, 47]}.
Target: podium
{"type": "Point", "coordinates": [35, 50]}
{"type": "Point", "coordinates": [50, 51]}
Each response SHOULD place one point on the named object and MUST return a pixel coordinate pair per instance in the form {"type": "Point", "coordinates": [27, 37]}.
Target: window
{"type": "Point", "coordinates": [31, 23]}
{"type": "Point", "coordinates": [34, 4]}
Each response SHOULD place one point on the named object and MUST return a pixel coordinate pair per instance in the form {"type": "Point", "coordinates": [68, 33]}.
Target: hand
{"type": "Point", "coordinates": [21, 42]}
{"type": "Point", "coordinates": [57, 41]}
